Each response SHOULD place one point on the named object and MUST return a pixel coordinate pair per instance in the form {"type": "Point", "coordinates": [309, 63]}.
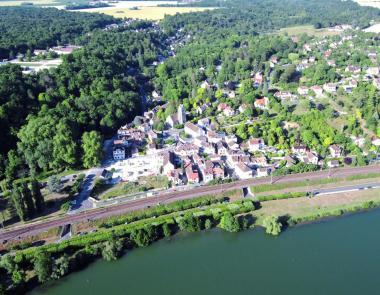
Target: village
{"type": "Point", "coordinates": [189, 149]}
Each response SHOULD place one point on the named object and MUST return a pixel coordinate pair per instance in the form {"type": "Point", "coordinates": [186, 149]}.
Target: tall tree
{"type": "Point", "coordinates": [28, 200]}
{"type": "Point", "coordinates": [18, 202]}
{"type": "Point", "coordinates": [43, 266]}
{"type": "Point", "coordinates": [37, 196]}
{"type": "Point", "coordinates": [92, 149]}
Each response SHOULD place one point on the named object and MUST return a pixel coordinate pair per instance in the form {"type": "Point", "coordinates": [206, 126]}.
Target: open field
{"type": "Point", "coordinates": [307, 29]}
{"type": "Point", "coordinates": [35, 2]}
{"type": "Point", "coordinates": [150, 13]}
{"type": "Point", "coordinates": [373, 3]}
{"type": "Point", "coordinates": [305, 206]}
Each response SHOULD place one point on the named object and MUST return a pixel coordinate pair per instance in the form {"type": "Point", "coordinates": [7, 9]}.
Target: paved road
{"type": "Point", "coordinates": [348, 188]}
{"type": "Point", "coordinates": [38, 227]}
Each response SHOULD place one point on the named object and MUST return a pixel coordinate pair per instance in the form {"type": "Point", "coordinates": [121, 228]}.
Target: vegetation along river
{"type": "Point", "coordinates": [338, 256]}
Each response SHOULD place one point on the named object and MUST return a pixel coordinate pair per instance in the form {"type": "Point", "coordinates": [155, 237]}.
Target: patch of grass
{"type": "Point", "coordinates": [307, 29]}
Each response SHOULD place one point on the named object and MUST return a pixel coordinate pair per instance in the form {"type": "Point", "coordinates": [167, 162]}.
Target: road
{"type": "Point", "coordinates": [38, 227]}
{"type": "Point", "coordinates": [346, 189]}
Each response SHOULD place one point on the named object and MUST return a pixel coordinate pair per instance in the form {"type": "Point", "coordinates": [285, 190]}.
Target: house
{"type": "Point", "coordinates": [228, 111]}
{"type": "Point", "coordinates": [285, 95]}
{"type": "Point", "coordinates": [204, 122]}
{"type": "Point", "coordinates": [156, 95]}
{"type": "Point", "coordinates": [201, 109]}
{"type": "Point", "coordinates": [376, 142]}
{"type": "Point", "coordinates": [376, 83]}
{"type": "Point", "coordinates": [303, 90]}
{"type": "Point", "coordinates": [186, 149]}
{"type": "Point", "coordinates": [262, 172]}
{"type": "Point", "coordinates": [375, 71]}
{"type": "Point", "coordinates": [258, 79]}
{"type": "Point", "coordinates": [205, 85]}
{"type": "Point", "coordinates": [193, 130]}
{"type": "Point", "coordinates": [207, 174]}
{"type": "Point", "coordinates": [243, 108]}
{"type": "Point", "coordinates": [333, 164]}
{"type": "Point", "coordinates": [353, 69]}
{"type": "Point", "coordinates": [317, 90]}
{"type": "Point", "coordinates": [192, 174]}
{"type": "Point", "coordinates": [214, 137]}
{"type": "Point", "coordinates": [259, 161]}
{"type": "Point", "coordinates": [289, 161]}
{"type": "Point", "coordinates": [221, 148]}
{"type": "Point", "coordinates": [262, 103]}
{"type": "Point", "coordinates": [312, 158]}
{"type": "Point", "coordinates": [299, 149]}
{"type": "Point", "coordinates": [218, 172]}
{"type": "Point", "coordinates": [359, 141]}
{"type": "Point", "coordinates": [331, 63]}
{"type": "Point", "coordinates": [177, 118]}
{"type": "Point", "coordinates": [175, 176]}
{"type": "Point", "coordinates": [168, 162]}
{"type": "Point", "coordinates": [255, 144]}
{"type": "Point", "coordinates": [273, 61]}
{"type": "Point", "coordinates": [118, 153]}
{"type": "Point", "coordinates": [243, 171]}
{"type": "Point", "coordinates": [307, 47]}
{"type": "Point", "coordinates": [330, 87]}
{"type": "Point", "coordinates": [335, 151]}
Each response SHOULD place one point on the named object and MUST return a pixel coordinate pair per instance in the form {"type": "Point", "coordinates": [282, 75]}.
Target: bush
{"type": "Point", "coordinates": [272, 225]}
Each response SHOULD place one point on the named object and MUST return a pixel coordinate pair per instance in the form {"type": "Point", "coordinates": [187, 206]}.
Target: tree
{"type": "Point", "coordinates": [112, 249]}
{"type": "Point", "coordinates": [54, 184]}
{"type": "Point", "coordinates": [272, 225]}
{"type": "Point", "coordinates": [27, 198]}
{"type": "Point", "coordinates": [60, 267]}
{"type": "Point", "coordinates": [18, 202]}
{"type": "Point", "coordinates": [229, 223]}
{"type": "Point", "coordinates": [92, 149]}
{"type": "Point", "coordinates": [166, 230]}
{"type": "Point", "coordinates": [43, 266]}
{"type": "Point", "coordinates": [37, 196]}
{"type": "Point", "coordinates": [64, 147]}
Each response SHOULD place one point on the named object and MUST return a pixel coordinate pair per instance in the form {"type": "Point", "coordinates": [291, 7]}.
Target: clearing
{"type": "Point", "coordinates": [149, 13]}
{"type": "Point", "coordinates": [307, 29]}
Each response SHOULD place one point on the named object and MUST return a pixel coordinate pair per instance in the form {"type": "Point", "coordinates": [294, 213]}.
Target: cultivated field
{"type": "Point", "coordinates": [307, 29]}
{"type": "Point", "coordinates": [150, 13]}
{"type": "Point", "coordinates": [373, 3]}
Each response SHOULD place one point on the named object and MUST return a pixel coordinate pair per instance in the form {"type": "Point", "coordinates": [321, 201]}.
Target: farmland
{"type": "Point", "coordinates": [150, 12]}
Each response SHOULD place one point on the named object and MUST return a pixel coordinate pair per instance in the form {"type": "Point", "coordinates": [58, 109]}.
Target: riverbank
{"type": "Point", "coordinates": [118, 235]}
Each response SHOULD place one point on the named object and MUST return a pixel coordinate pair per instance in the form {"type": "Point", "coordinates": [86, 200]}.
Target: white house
{"type": "Point", "coordinates": [243, 171]}
{"type": "Point", "coordinates": [118, 153]}
{"type": "Point", "coordinates": [193, 130]}
{"type": "Point", "coordinates": [255, 144]}
{"type": "Point", "coordinates": [335, 151]}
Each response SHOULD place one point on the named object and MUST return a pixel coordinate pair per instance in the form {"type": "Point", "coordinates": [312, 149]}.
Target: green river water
{"type": "Point", "coordinates": [338, 256]}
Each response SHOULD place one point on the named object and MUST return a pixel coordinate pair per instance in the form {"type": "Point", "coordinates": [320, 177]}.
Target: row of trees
{"type": "Point", "coordinates": [27, 200]}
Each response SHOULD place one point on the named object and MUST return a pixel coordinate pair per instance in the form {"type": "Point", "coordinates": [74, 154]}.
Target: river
{"type": "Point", "coordinates": [338, 256]}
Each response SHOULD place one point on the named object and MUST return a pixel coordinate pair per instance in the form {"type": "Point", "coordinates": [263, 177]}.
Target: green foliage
{"type": "Point", "coordinates": [37, 196]}
{"type": "Point", "coordinates": [42, 265]}
{"type": "Point", "coordinates": [28, 28]}
{"type": "Point", "coordinates": [272, 225]}
{"type": "Point", "coordinates": [54, 184]}
{"type": "Point", "coordinates": [60, 267]}
{"type": "Point", "coordinates": [229, 223]}
{"type": "Point", "coordinates": [112, 249]}
{"type": "Point", "coordinates": [281, 196]}
{"type": "Point", "coordinates": [92, 149]}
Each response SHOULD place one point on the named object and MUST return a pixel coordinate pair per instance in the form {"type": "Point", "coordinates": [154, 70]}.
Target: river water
{"type": "Point", "coordinates": [338, 256]}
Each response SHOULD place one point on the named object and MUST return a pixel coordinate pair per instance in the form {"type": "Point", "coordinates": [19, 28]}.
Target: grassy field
{"type": "Point", "coordinates": [307, 29]}
{"type": "Point", "coordinates": [373, 3]}
{"type": "Point", "coordinates": [35, 2]}
{"type": "Point", "coordinates": [150, 13]}
{"type": "Point", "coordinates": [316, 206]}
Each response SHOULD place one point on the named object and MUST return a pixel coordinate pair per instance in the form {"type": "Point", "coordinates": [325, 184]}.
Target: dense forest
{"type": "Point", "coordinates": [95, 88]}
{"type": "Point", "coordinates": [24, 28]}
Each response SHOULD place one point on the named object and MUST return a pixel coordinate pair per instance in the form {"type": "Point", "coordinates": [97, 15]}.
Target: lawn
{"type": "Point", "coordinates": [307, 29]}
{"type": "Point", "coordinates": [150, 13]}
{"type": "Point", "coordinates": [319, 205]}
{"type": "Point", "coordinates": [144, 184]}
